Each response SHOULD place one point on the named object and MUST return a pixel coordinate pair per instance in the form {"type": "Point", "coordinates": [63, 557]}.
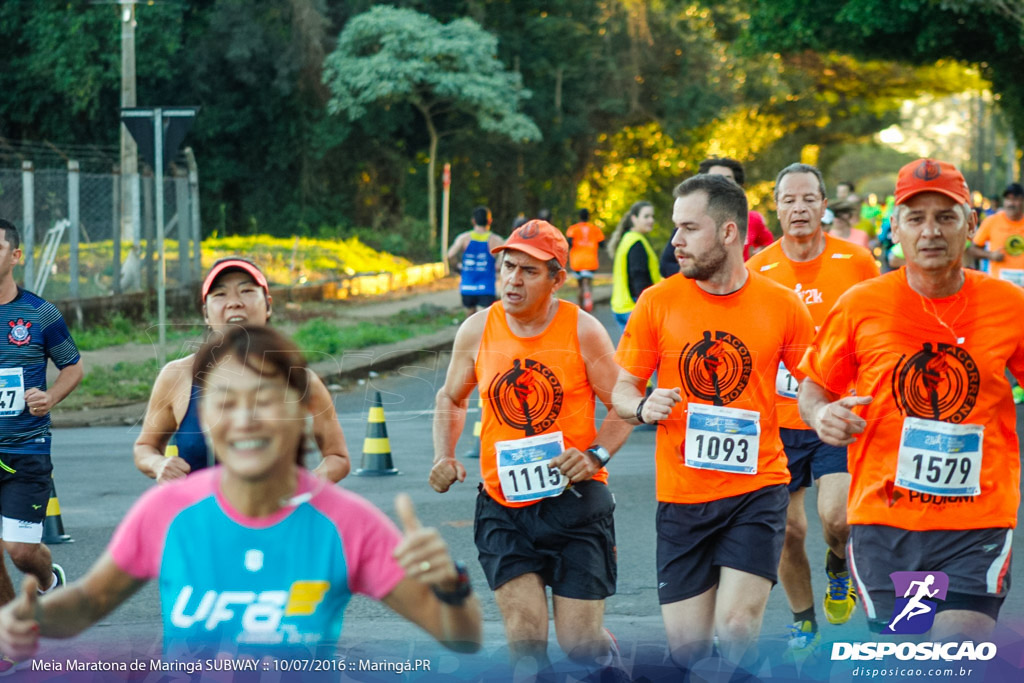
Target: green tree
{"type": "Point", "coordinates": [447, 72]}
{"type": "Point", "coordinates": [988, 33]}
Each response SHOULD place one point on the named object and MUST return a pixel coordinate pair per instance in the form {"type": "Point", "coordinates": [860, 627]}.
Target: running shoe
{"type": "Point", "coordinates": [58, 571]}
{"type": "Point", "coordinates": [803, 640]}
{"type": "Point", "coordinates": [840, 598]}
{"type": "Point", "coordinates": [1018, 394]}
{"type": "Point", "coordinates": [588, 302]}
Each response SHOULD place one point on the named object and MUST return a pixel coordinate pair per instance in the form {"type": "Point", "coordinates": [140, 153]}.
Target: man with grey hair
{"type": "Point", "coordinates": [819, 268]}
{"type": "Point", "coordinates": [908, 371]}
{"type": "Point", "coordinates": [712, 334]}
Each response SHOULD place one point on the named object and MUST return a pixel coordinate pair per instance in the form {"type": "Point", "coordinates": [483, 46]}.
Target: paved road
{"type": "Point", "coordinates": [97, 482]}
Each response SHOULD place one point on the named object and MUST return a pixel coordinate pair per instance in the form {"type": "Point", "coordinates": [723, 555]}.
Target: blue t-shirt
{"type": "Point", "coordinates": [478, 265]}
{"type": "Point", "coordinates": [34, 331]}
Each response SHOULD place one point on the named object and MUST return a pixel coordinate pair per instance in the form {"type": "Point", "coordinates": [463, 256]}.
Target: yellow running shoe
{"type": "Point", "coordinates": [803, 640]}
{"type": "Point", "coordinates": [840, 598]}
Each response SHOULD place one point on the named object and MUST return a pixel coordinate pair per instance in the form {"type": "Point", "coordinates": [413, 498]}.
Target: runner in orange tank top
{"type": "Point", "coordinates": [715, 334]}
{"type": "Point", "coordinates": [818, 267]}
{"type": "Point", "coordinates": [929, 421]}
{"type": "Point", "coordinates": [544, 512]}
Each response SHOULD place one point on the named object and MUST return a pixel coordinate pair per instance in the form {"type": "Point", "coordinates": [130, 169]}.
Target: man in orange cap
{"type": "Point", "coordinates": [544, 512]}
{"type": "Point", "coordinates": [908, 371]}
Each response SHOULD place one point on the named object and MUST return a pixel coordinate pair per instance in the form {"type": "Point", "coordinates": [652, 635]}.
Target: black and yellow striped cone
{"type": "Point", "coordinates": [478, 427]}
{"type": "Point", "coordinates": [53, 526]}
{"type": "Point", "coordinates": [376, 446]}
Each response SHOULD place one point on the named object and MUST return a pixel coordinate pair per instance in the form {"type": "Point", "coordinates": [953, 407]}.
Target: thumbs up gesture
{"type": "Point", "coordinates": [423, 554]}
{"type": "Point", "coordinates": [19, 626]}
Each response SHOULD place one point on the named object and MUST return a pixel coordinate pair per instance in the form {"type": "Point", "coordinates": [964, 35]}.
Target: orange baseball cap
{"type": "Point", "coordinates": [540, 240]}
{"type": "Point", "coordinates": [929, 175]}
{"type": "Point", "coordinates": [233, 263]}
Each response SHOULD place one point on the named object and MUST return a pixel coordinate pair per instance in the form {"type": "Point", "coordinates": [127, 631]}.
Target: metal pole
{"type": "Point", "coordinates": [184, 229]}
{"type": "Point", "coordinates": [150, 230]}
{"type": "Point", "coordinates": [73, 217]}
{"type": "Point", "coordinates": [161, 286]}
{"type": "Point", "coordinates": [446, 180]}
{"type": "Point", "coordinates": [116, 234]}
{"type": "Point", "coordinates": [197, 230]}
{"type": "Point", "coordinates": [130, 221]}
{"type": "Point", "coordinates": [28, 221]}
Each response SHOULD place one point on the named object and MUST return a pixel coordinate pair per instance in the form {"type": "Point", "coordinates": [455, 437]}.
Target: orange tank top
{"type": "Point", "coordinates": [532, 386]}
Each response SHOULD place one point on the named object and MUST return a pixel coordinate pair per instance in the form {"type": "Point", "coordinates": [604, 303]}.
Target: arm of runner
{"type": "Point", "coordinates": [455, 252]}
{"type": "Point", "coordinates": [599, 357]}
{"type": "Point", "coordinates": [429, 570]}
{"type": "Point", "coordinates": [629, 395]}
{"type": "Point", "coordinates": [834, 421]}
{"type": "Point", "coordinates": [336, 463]}
{"type": "Point", "coordinates": [159, 425]}
{"type": "Point", "coordinates": [451, 403]}
{"type": "Point", "coordinates": [66, 612]}
{"type": "Point", "coordinates": [41, 402]}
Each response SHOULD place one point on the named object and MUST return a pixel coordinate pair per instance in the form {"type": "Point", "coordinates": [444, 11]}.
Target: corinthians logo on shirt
{"type": "Point", "coordinates": [939, 382]}
{"type": "Point", "coordinates": [527, 397]}
{"type": "Point", "coordinates": [717, 368]}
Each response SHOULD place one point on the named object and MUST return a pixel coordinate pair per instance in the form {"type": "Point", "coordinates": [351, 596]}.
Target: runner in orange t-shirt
{"type": "Point", "coordinates": [929, 421]}
{"type": "Point", "coordinates": [1003, 232]}
{"type": "Point", "coordinates": [715, 336]}
{"type": "Point", "coordinates": [818, 267]}
{"type": "Point", "coordinates": [584, 239]}
{"type": "Point", "coordinates": [544, 512]}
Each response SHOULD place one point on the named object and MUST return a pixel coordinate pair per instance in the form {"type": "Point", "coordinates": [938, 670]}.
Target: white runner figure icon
{"type": "Point", "coordinates": [915, 607]}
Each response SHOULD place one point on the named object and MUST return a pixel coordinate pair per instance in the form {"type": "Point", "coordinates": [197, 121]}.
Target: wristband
{"type": "Point", "coordinates": [640, 410]}
{"type": "Point", "coordinates": [463, 589]}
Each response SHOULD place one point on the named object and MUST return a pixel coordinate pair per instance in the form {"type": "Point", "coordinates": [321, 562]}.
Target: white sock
{"type": "Point", "coordinates": [53, 584]}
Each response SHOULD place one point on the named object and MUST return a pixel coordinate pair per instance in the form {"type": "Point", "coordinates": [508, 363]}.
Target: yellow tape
{"type": "Point", "coordinates": [376, 446]}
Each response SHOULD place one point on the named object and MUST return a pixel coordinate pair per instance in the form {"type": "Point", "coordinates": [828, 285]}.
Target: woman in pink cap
{"type": "Point", "coordinates": [235, 292]}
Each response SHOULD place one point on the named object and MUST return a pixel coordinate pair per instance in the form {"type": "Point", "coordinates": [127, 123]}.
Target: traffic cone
{"type": "Point", "coordinates": [53, 526]}
{"type": "Point", "coordinates": [376, 446]}
{"type": "Point", "coordinates": [478, 427]}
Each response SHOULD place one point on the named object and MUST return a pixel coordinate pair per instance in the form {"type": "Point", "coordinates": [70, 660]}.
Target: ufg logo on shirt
{"type": "Point", "coordinates": [916, 593]}
{"type": "Point", "coordinates": [257, 616]}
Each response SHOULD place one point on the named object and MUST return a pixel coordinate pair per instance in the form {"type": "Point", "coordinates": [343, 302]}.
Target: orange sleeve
{"type": "Point", "coordinates": [801, 334]}
{"type": "Point", "coordinates": [570, 233]}
{"type": "Point", "coordinates": [830, 361]}
{"type": "Point", "coordinates": [983, 233]}
{"type": "Point", "coordinates": [638, 349]}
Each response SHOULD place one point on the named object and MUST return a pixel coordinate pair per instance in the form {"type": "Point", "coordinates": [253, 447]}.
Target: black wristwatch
{"type": "Point", "coordinates": [463, 589]}
{"type": "Point", "coordinates": [600, 454]}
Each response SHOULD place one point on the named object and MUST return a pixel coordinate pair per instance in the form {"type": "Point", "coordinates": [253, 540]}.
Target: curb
{"type": "Point", "coordinates": [352, 364]}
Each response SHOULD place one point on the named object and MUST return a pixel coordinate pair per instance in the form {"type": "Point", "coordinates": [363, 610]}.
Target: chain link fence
{"type": "Point", "coordinates": [76, 244]}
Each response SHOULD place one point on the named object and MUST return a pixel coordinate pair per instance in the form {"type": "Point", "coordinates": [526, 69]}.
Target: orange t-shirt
{"type": "Point", "coordinates": [585, 240]}
{"type": "Point", "coordinates": [719, 350]}
{"type": "Point", "coordinates": [531, 386]}
{"type": "Point", "coordinates": [1002, 233]}
{"type": "Point", "coordinates": [887, 341]}
{"type": "Point", "coordinates": [819, 282]}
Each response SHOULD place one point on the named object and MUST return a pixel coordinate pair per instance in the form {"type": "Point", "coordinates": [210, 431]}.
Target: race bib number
{"type": "Point", "coordinates": [940, 458]}
{"type": "Point", "coordinates": [523, 467]}
{"type": "Point", "coordinates": [1013, 275]}
{"type": "Point", "coordinates": [785, 383]}
{"type": "Point", "coordinates": [720, 438]}
{"type": "Point", "coordinates": [12, 392]}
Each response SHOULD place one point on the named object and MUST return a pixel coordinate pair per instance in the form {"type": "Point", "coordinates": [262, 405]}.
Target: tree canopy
{"type": "Point", "coordinates": [447, 72]}
{"type": "Point", "coordinates": [317, 114]}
